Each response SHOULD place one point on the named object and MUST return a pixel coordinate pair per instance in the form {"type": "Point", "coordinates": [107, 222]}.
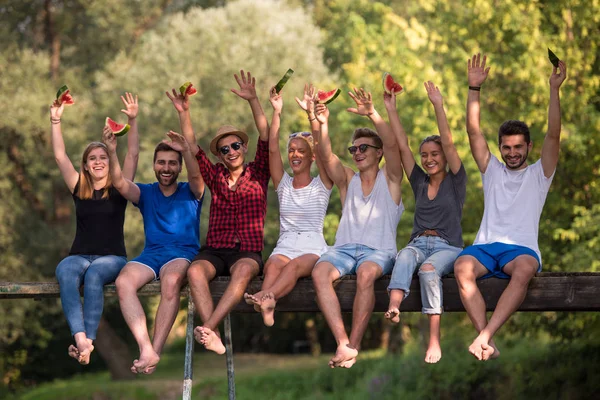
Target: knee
{"type": "Point", "coordinates": [464, 270]}
{"type": "Point", "coordinates": [196, 274]}
{"type": "Point", "coordinates": [523, 273]}
{"type": "Point", "coordinates": [405, 256]}
{"type": "Point", "coordinates": [365, 277]}
{"type": "Point", "coordinates": [321, 274]}
{"type": "Point", "coordinates": [170, 286]}
{"type": "Point", "coordinates": [244, 270]}
{"type": "Point", "coordinates": [273, 268]}
{"type": "Point", "coordinates": [124, 285]}
{"type": "Point", "coordinates": [426, 268]}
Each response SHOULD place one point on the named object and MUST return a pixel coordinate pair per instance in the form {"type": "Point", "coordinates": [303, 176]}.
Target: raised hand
{"type": "Point", "coordinates": [247, 90]}
{"type": "Point", "coordinates": [131, 105]}
{"type": "Point", "coordinates": [177, 142]}
{"type": "Point", "coordinates": [56, 110]}
{"type": "Point", "coordinates": [477, 72]}
{"type": "Point", "coordinates": [276, 100]}
{"type": "Point", "coordinates": [558, 75]}
{"type": "Point", "coordinates": [434, 94]}
{"type": "Point", "coordinates": [309, 93]}
{"type": "Point", "coordinates": [109, 139]}
{"type": "Point", "coordinates": [322, 113]}
{"type": "Point", "coordinates": [180, 102]}
{"type": "Point", "coordinates": [364, 102]}
{"type": "Point", "coordinates": [389, 100]}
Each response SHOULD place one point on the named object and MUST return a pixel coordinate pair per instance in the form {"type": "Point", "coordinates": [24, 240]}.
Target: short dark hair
{"type": "Point", "coordinates": [513, 127]}
{"type": "Point", "coordinates": [433, 138]}
{"type": "Point", "coordinates": [165, 147]}
{"type": "Point", "coordinates": [368, 133]}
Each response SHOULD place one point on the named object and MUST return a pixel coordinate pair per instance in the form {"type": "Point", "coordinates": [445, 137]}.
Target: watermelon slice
{"type": "Point", "coordinates": [117, 129]}
{"type": "Point", "coordinates": [327, 97]}
{"type": "Point", "coordinates": [553, 59]}
{"type": "Point", "coordinates": [187, 88]}
{"type": "Point", "coordinates": [63, 96]}
{"type": "Point", "coordinates": [283, 80]}
{"type": "Point", "coordinates": [390, 85]}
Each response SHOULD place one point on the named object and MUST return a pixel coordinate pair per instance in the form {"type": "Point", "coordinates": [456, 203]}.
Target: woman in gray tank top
{"type": "Point", "coordinates": [436, 239]}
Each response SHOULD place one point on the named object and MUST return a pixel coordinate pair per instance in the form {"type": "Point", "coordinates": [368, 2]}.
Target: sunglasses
{"type": "Point", "coordinates": [296, 134]}
{"type": "Point", "coordinates": [361, 148]}
{"type": "Point", "coordinates": [235, 146]}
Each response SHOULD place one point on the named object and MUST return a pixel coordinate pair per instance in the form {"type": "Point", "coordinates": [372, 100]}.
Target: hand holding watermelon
{"type": "Point", "coordinates": [276, 100]}
{"type": "Point", "coordinates": [477, 72]}
{"type": "Point", "coordinates": [180, 102]}
{"type": "Point", "coordinates": [109, 139]}
{"type": "Point", "coordinates": [558, 75]}
{"type": "Point", "coordinates": [389, 100]}
{"type": "Point", "coordinates": [364, 102]}
{"type": "Point", "coordinates": [131, 105]}
{"type": "Point", "coordinates": [434, 94]}
{"type": "Point", "coordinates": [56, 110]}
{"type": "Point", "coordinates": [322, 113]}
{"type": "Point", "coordinates": [309, 94]}
{"type": "Point", "coordinates": [247, 83]}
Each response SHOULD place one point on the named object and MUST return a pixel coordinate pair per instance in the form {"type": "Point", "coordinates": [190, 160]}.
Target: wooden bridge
{"type": "Point", "coordinates": [548, 291]}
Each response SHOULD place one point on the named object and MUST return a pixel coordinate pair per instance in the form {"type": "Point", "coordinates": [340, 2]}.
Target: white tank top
{"type": "Point", "coordinates": [372, 220]}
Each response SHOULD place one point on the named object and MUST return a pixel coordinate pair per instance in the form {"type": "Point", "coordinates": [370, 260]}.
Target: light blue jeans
{"type": "Point", "coordinates": [425, 250]}
{"type": "Point", "coordinates": [93, 272]}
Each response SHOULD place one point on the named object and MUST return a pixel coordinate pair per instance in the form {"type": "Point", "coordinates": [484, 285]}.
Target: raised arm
{"type": "Point", "coordinates": [133, 140]}
{"type": "Point", "coordinates": [408, 160]}
{"type": "Point", "coordinates": [551, 145]}
{"type": "Point", "coordinates": [391, 152]}
{"type": "Point", "coordinates": [339, 174]}
{"type": "Point", "coordinates": [275, 161]}
{"type": "Point", "coordinates": [182, 106]}
{"type": "Point", "coordinates": [315, 126]}
{"type": "Point", "coordinates": [126, 187]}
{"type": "Point", "coordinates": [440, 115]}
{"type": "Point", "coordinates": [179, 143]}
{"type": "Point", "coordinates": [477, 74]}
{"type": "Point", "coordinates": [247, 91]}
{"type": "Point", "coordinates": [68, 172]}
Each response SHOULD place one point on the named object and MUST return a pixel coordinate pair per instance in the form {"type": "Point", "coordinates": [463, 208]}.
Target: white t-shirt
{"type": "Point", "coordinates": [304, 209]}
{"type": "Point", "coordinates": [369, 220]}
{"type": "Point", "coordinates": [513, 203]}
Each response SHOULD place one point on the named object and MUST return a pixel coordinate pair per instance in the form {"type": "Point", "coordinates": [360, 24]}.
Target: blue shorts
{"type": "Point", "coordinates": [155, 259]}
{"type": "Point", "coordinates": [347, 258]}
{"type": "Point", "coordinates": [494, 256]}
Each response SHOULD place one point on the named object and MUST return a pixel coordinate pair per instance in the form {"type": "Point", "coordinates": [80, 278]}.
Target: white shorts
{"type": "Point", "coordinates": [295, 244]}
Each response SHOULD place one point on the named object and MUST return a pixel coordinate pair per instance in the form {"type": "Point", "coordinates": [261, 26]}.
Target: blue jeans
{"type": "Point", "coordinates": [425, 250]}
{"type": "Point", "coordinates": [93, 272]}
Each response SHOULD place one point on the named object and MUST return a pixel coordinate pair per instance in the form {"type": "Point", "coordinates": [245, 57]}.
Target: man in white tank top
{"type": "Point", "coordinates": [365, 243]}
{"type": "Point", "coordinates": [514, 195]}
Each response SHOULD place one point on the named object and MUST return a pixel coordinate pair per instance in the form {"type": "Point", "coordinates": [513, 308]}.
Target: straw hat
{"type": "Point", "coordinates": [225, 131]}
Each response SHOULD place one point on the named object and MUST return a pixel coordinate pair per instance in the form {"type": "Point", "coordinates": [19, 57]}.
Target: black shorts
{"type": "Point", "coordinates": [224, 258]}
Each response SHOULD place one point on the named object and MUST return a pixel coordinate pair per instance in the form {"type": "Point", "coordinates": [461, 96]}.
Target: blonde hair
{"type": "Point", "coordinates": [86, 184]}
{"type": "Point", "coordinates": [306, 136]}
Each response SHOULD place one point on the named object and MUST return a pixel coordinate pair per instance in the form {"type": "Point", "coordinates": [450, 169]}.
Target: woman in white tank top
{"type": "Point", "coordinates": [303, 204]}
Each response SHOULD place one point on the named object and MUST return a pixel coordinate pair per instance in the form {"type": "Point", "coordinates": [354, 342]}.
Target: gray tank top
{"type": "Point", "coordinates": [372, 220]}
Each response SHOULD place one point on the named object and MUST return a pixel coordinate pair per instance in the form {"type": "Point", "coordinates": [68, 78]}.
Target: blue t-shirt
{"type": "Point", "coordinates": [172, 221]}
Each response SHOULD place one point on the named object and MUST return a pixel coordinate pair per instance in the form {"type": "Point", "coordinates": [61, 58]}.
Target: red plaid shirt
{"type": "Point", "coordinates": [237, 216]}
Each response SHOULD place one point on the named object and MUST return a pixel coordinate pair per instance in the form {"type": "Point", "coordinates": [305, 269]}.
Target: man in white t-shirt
{"type": "Point", "coordinates": [514, 195]}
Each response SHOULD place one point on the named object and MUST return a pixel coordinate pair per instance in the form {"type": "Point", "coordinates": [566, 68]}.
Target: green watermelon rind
{"type": "Point", "coordinates": [61, 91]}
{"type": "Point", "coordinates": [553, 58]}
{"type": "Point", "coordinates": [121, 132]}
{"type": "Point", "coordinates": [332, 98]}
{"type": "Point", "coordinates": [183, 88]}
{"type": "Point", "coordinates": [284, 80]}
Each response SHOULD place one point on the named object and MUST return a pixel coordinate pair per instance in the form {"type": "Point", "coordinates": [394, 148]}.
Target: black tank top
{"type": "Point", "coordinates": [100, 224]}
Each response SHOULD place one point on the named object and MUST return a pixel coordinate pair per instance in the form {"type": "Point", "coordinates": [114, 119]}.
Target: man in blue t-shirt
{"type": "Point", "coordinates": [171, 213]}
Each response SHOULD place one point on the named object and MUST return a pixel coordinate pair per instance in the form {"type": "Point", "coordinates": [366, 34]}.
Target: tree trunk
{"type": "Point", "coordinates": [313, 337]}
{"type": "Point", "coordinates": [386, 330]}
{"type": "Point", "coordinates": [114, 352]}
{"type": "Point", "coordinates": [53, 40]}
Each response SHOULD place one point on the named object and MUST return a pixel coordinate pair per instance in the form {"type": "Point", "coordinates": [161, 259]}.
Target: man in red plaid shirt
{"type": "Point", "coordinates": [237, 212]}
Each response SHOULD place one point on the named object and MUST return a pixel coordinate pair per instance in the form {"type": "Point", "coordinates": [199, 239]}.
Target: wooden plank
{"type": "Point", "coordinates": [547, 292]}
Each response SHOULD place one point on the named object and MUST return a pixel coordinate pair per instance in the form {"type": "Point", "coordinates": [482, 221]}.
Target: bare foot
{"type": "Point", "coordinates": [482, 350]}
{"type": "Point", "coordinates": [85, 351]}
{"type": "Point", "coordinates": [253, 300]}
{"type": "Point", "coordinates": [348, 364]}
{"type": "Point", "coordinates": [148, 359]}
{"type": "Point", "coordinates": [393, 314]}
{"type": "Point", "coordinates": [343, 354]}
{"type": "Point", "coordinates": [496, 353]}
{"type": "Point", "coordinates": [434, 353]}
{"type": "Point", "coordinates": [210, 340]}
{"type": "Point", "coordinates": [267, 308]}
{"type": "Point", "coordinates": [73, 352]}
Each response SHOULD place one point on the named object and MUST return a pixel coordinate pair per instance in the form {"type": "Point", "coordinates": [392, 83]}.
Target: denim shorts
{"type": "Point", "coordinates": [494, 256]}
{"type": "Point", "coordinates": [347, 258]}
{"type": "Point", "coordinates": [295, 244]}
{"type": "Point", "coordinates": [155, 259]}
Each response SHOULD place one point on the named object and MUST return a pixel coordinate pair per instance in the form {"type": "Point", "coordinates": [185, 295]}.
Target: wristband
{"type": "Point", "coordinates": [54, 121]}
{"type": "Point", "coordinates": [312, 119]}
{"type": "Point", "coordinates": [475, 88]}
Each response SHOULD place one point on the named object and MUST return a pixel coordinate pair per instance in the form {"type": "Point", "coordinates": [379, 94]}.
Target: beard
{"type": "Point", "coordinates": [166, 181]}
{"type": "Point", "coordinates": [522, 161]}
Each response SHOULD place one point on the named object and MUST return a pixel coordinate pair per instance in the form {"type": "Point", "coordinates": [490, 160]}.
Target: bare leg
{"type": "Point", "coordinates": [364, 301]}
{"type": "Point", "coordinates": [434, 350]}
{"type": "Point", "coordinates": [393, 312]}
{"type": "Point", "coordinates": [521, 270]}
{"type": "Point", "coordinates": [132, 277]}
{"type": "Point", "coordinates": [199, 276]}
{"type": "Point", "coordinates": [297, 268]}
{"type": "Point", "coordinates": [323, 276]}
{"type": "Point", "coordinates": [273, 268]}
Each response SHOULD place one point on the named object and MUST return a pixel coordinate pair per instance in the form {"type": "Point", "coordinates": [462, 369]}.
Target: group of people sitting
{"type": "Point", "coordinates": [365, 245]}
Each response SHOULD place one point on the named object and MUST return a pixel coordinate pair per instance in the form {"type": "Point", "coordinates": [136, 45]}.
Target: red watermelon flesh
{"type": "Point", "coordinates": [327, 97]}
{"type": "Point", "coordinates": [66, 99]}
{"type": "Point", "coordinates": [390, 86]}
{"type": "Point", "coordinates": [117, 129]}
{"type": "Point", "coordinates": [187, 89]}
